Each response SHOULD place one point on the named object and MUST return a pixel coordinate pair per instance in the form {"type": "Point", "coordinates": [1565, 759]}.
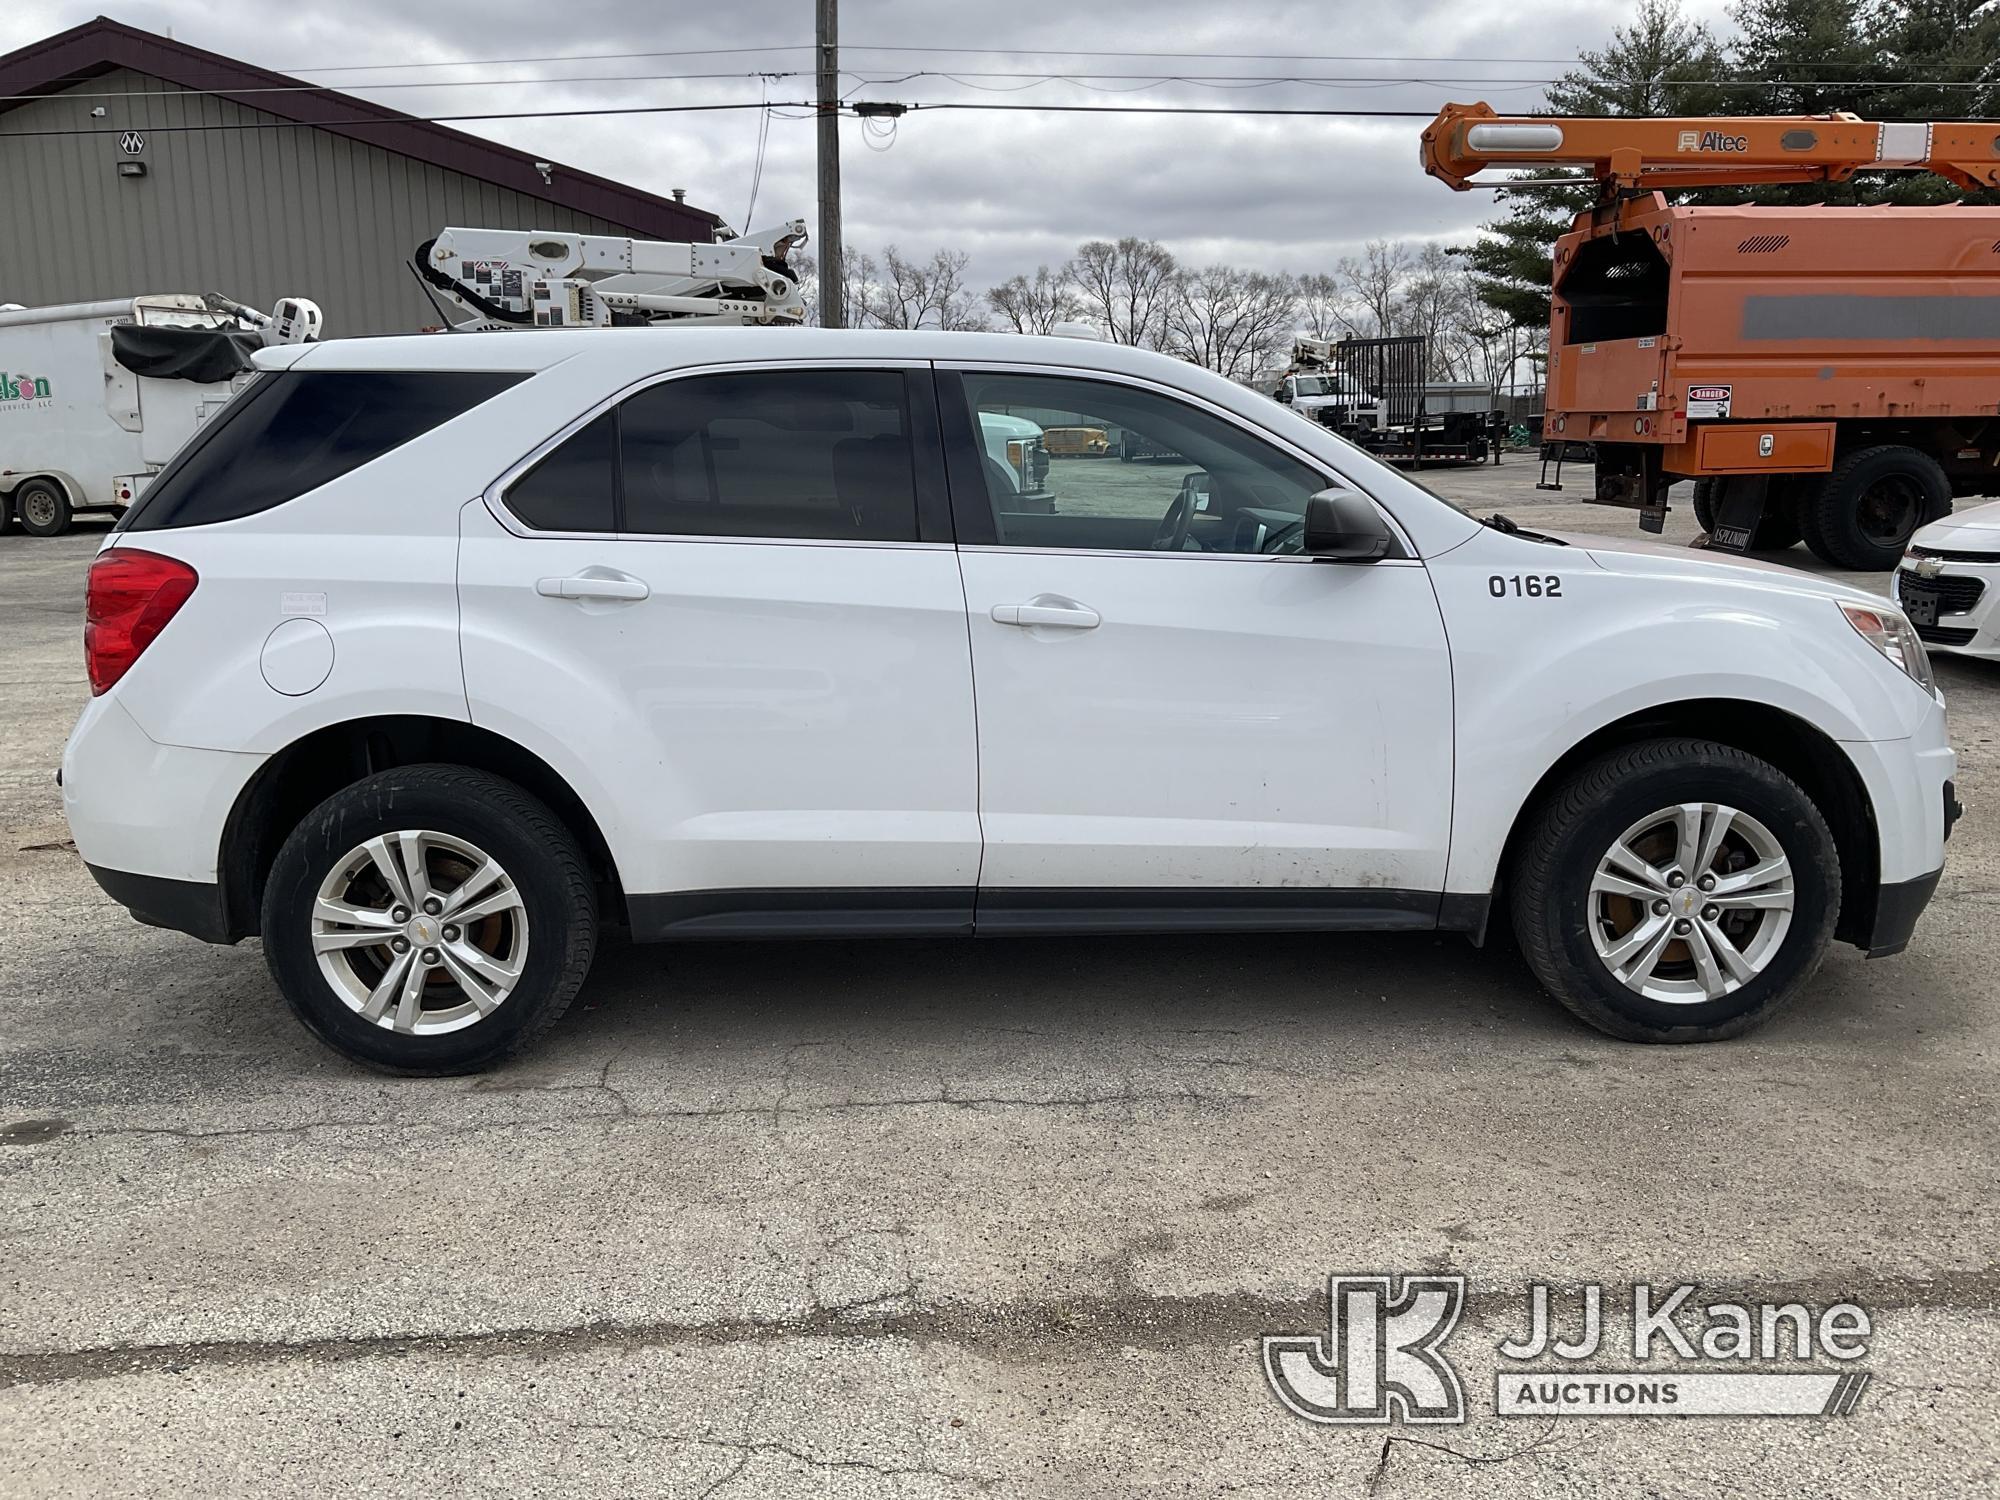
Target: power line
{"type": "Point", "coordinates": [1293, 57]}
{"type": "Point", "coordinates": [353, 122]}
{"type": "Point", "coordinates": [427, 83]}
{"type": "Point", "coordinates": [1088, 81]}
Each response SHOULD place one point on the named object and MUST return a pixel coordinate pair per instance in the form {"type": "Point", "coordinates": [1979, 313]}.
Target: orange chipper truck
{"type": "Point", "coordinates": [1820, 372]}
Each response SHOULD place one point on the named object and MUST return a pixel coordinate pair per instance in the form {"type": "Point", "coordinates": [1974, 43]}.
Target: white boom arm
{"type": "Point", "coordinates": [294, 320]}
{"type": "Point", "coordinates": [533, 278]}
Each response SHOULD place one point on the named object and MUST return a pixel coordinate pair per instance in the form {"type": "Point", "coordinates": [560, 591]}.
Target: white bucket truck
{"type": "Point", "coordinates": [96, 396]}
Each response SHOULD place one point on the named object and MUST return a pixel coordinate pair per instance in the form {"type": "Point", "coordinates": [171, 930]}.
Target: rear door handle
{"type": "Point", "coordinates": [593, 586]}
{"type": "Point", "coordinates": [1065, 616]}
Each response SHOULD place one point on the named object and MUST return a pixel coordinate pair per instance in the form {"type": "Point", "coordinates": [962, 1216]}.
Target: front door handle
{"type": "Point", "coordinates": [593, 586]}
{"type": "Point", "coordinates": [1064, 615]}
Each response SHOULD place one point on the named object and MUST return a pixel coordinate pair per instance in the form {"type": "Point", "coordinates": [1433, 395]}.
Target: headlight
{"type": "Point", "coordinates": [1896, 638]}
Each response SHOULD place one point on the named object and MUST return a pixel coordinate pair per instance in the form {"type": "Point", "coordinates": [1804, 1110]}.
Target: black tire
{"type": "Point", "coordinates": [42, 507]}
{"type": "Point", "coordinates": [6, 514]}
{"type": "Point", "coordinates": [1779, 527]}
{"type": "Point", "coordinates": [1865, 512]}
{"type": "Point", "coordinates": [537, 852]}
{"type": "Point", "coordinates": [1704, 499]}
{"type": "Point", "coordinates": [1567, 835]}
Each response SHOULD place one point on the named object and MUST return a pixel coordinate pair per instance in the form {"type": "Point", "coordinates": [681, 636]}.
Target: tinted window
{"type": "Point", "coordinates": [811, 454]}
{"type": "Point", "coordinates": [571, 489]}
{"type": "Point", "coordinates": [293, 432]}
{"type": "Point", "coordinates": [1170, 476]}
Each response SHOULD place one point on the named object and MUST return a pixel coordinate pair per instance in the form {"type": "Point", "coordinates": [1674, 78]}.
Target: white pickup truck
{"type": "Point", "coordinates": [96, 396]}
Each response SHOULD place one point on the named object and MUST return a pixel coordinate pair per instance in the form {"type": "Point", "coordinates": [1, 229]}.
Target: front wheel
{"type": "Point", "coordinates": [430, 920]}
{"type": "Point", "coordinates": [1676, 891]}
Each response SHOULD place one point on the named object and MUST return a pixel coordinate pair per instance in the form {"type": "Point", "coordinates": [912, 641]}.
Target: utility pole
{"type": "Point", "coordinates": [831, 278]}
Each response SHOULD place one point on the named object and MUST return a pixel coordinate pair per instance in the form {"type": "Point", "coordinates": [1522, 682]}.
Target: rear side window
{"type": "Point", "coordinates": [291, 432]}
{"type": "Point", "coordinates": [803, 454]}
{"type": "Point", "coordinates": [574, 487]}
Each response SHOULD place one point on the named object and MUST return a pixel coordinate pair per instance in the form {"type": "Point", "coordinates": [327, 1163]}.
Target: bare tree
{"type": "Point", "coordinates": [1034, 306]}
{"type": "Point", "coordinates": [1126, 286]}
{"type": "Point", "coordinates": [1375, 283]}
{"type": "Point", "coordinates": [1324, 306]}
{"type": "Point", "coordinates": [1430, 307]}
{"type": "Point", "coordinates": [1231, 320]}
{"type": "Point", "coordinates": [904, 293]}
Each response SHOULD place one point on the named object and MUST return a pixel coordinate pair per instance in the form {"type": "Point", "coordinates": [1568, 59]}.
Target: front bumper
{"type": "Point", "coordinates": [1897, 908]}
{"type": "Point", "coordinates": [1966, 590]}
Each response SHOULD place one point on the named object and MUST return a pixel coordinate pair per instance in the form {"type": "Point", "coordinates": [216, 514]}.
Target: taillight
{"type": "Point", "coordinates": [129, 599]}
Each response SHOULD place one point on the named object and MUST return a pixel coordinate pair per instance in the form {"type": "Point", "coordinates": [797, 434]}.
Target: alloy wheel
{"type": "Point", "coordinates": [420, 932]}
{"type": "Point", "coordinates": [1691, 903]}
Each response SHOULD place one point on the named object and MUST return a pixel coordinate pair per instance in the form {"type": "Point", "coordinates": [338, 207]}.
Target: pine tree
{"type": "Point", "coordinates": [1662, 63]}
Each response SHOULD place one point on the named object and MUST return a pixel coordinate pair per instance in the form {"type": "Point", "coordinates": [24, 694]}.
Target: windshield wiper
{"type": "Point", "coordinates": [1500, 523]}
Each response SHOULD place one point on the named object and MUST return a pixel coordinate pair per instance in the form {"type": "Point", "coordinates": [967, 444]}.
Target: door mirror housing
{"type": "Point", "coordinates": [1344, 526]}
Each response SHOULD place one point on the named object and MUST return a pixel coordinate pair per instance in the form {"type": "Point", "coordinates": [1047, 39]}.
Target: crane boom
{"type": "Point", "coordinates": [1707, 151]}
{"type": "Point", "coordinates": [533, 278]}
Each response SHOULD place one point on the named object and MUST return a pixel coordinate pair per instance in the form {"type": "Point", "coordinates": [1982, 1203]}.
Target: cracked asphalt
{"type": "Point", "coordinates": [945, 1218]}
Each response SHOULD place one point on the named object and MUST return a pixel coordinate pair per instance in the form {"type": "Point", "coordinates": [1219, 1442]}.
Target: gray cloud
{"type": "Point", "coordinates": [1012, 190]}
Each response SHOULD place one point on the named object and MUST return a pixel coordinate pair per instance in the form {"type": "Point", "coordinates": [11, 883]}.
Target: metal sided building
{"type": "Point", "coordinates": [131, 163]}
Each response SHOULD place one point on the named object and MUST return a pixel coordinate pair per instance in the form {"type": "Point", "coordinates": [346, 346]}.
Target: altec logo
{"type": "Point", "coordinates": [24, 388]}
{"type": "Point", "coordinates": [1712, 140]}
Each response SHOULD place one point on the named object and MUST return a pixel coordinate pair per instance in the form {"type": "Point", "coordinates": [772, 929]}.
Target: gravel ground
{"type": "Point", "coordinates": [935, 1218]}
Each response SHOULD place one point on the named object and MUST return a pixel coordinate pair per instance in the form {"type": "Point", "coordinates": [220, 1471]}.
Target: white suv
{"type": "Point", "coordinates": [432, 656]}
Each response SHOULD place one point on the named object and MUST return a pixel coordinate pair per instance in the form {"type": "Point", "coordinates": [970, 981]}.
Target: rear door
{"type": "Point", "coordinates": [1180, 716]}
{"type": "Point", "coordinates": [729, 605]}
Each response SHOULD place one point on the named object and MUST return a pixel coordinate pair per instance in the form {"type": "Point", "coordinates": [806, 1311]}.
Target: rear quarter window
{"type": "Point", "coordinates": [292, 431]}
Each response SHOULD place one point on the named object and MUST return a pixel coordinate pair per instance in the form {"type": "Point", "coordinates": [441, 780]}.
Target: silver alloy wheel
{"type": "Point", "coordinates": [1691, 903]}
{"type": "Point", "coordinates": [38, 507]}
{"type": "Point", "coordinates": [420, 932]}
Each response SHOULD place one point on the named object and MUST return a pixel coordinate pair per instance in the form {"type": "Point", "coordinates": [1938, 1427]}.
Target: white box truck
{"type": "Point", "coordinates": [96, 396]}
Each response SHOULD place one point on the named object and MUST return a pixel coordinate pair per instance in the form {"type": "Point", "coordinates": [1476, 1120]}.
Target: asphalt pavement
{"type": "Point", "coordinates": [940, 1218]}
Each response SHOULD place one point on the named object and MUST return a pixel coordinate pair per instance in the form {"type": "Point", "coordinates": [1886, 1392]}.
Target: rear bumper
{"type": "Point", "coordinates": [1897, 908]}
{"type": "Point", "coordinates": [188, 906]}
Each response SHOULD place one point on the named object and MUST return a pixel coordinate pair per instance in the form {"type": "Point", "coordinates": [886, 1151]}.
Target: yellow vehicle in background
{"type": "Point", "coordinates": [1076, 442]}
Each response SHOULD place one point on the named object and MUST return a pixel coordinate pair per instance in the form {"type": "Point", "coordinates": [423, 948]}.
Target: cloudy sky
{"type": "Point", "coordinates": [1010, 188]}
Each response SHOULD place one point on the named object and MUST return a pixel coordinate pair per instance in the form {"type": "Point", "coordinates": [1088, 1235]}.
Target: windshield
{"type": "Point", "coordinates": [1311, 385]}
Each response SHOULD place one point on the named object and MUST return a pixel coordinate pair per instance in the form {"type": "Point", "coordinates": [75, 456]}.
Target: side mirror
{"type": "Point", "coordinates": [1285, 394]}
{"type": "Point", "coordinates": [1343, 526]}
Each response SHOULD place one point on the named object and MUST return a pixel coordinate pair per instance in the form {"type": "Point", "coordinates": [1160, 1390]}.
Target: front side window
{"type": "Point", "coordinates": [290, 432]}
{"type": "Point", "coordinates": [1171, 477]}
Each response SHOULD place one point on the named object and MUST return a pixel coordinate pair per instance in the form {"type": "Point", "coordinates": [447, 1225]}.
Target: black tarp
{"type": "Point", "coordinates": [207, 356]}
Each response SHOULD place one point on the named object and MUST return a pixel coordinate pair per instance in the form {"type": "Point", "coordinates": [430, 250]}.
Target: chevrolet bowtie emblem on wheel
{"type": "Point", "coordinates": [1381, 1356]}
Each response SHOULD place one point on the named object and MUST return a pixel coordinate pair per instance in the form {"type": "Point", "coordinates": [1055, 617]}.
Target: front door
{"type": "Point", "coordinates": [725, 611]}
{"type": "Point", "coordinates": [1178, 712]}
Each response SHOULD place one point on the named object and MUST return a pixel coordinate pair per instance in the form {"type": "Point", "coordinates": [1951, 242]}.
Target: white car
{"type": "Point", "coordinates": [431, 657]}
{"type": "Point", "coordinates": [1949, 582]}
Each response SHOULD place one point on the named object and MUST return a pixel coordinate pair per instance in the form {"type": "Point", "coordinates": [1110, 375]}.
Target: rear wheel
{"type": "Point", "coordinates": [1676, 891]}
{"type": "Point", "coordinates": [430, 919]}
{"type": "Point", "coordinates": [1866, 510]}
{"type": "Point", "coordinates": [43, 508]}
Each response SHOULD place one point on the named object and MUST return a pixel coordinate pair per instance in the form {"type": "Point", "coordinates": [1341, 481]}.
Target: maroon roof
{"type": "Point", "coordinates": [99, 46]}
